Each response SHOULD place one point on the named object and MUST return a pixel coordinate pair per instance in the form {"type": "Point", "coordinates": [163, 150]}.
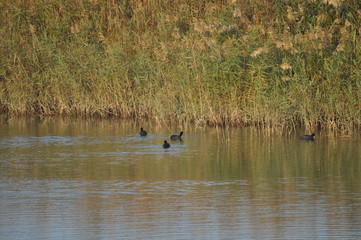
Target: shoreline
{"type": "Point", "coordinates": [264, 129]}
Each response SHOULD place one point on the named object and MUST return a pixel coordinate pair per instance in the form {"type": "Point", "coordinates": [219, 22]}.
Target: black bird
{"type": "Point", "coordinates": [166, 145]}
{"type": "Point", "coordinates": [308, 137]}
{"type": "Point", "coordinates": [142, 132]}
{"type": "Point", "coordinates": [176, 137]}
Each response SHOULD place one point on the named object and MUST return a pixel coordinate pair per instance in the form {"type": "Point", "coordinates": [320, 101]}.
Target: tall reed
{"type": "Point", "coordinates": [264, 63]}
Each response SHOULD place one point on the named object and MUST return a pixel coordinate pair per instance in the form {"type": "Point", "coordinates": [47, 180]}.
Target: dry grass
{"type": "Point", "coordinates": [265, 63]}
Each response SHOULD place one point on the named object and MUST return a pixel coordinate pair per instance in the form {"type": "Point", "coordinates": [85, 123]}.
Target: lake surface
{"type": "Point", "coordinates": [98, 179]}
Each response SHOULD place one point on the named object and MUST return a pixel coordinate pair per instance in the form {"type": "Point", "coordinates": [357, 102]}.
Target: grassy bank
{"type": "Point", "coordinates": [264, 62]}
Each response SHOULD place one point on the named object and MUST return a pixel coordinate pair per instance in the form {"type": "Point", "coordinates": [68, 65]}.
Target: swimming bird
{"type": "Point", "coordinates": [176, 137]}
{"type": "Point", "coordinates": [166, 145]}
{"type": "Point", "coordinates": [308, 137]}
{"type": "Point", "coordinates": [142, 132]}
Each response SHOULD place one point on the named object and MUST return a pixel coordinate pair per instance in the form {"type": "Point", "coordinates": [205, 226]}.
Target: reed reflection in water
{"type": "Point", "coordinates": [74, 179]}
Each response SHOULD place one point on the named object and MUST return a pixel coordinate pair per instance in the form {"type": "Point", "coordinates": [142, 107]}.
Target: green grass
{"type": "Point", "coordinates": [264, 63]}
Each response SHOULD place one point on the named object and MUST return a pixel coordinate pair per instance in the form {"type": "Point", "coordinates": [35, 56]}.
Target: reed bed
{"type": "Point", "coordinates": [264, 63]}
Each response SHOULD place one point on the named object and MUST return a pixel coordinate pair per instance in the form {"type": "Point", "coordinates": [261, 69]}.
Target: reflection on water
{"type": "Point", "coordinates": [74, 179]}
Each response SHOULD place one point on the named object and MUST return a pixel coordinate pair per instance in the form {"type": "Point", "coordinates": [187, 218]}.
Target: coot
{"type": "Point", "coordinates": [176, 137]}
{"type": "Point", "coordinates": [166, 145]}
{"type": "Point", "coordinates": [308, 137]}
{"type": "Point", "coordinates": [142, 132]}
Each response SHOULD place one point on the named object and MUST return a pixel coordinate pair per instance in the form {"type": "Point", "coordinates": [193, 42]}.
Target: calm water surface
{"type": "Point", "coordinates": [75, 179]}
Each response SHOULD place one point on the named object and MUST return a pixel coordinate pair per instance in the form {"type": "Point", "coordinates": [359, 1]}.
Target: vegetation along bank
{"type": "Point", "coordinates": [267, 63]}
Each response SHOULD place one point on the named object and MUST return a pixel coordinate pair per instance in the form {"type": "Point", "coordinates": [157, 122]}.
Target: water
{"type": "Point", "coordinates": [76, 179]}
